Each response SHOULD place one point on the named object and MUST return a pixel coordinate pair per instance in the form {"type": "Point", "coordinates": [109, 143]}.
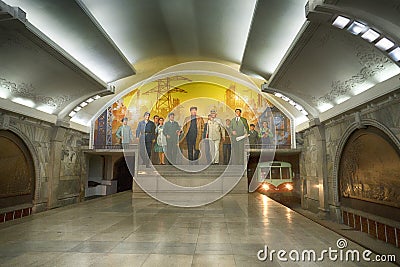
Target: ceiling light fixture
{"type": "Point", "coordinates": [384, 44]}
{"type": "Point", "coordinates": [395, 54]}
{"type": "Point", "coordinates": [77, 108]}
{"type": "Point", "coordinates": [356, 28]}
{"type": "Point", "coordinates": [83, 104]}
{"type": "Point", "coordinates": [340, 22]}
{"type": "Point", "coordinates": [370, 35]}
{"type": "Point", "coordinates": [90, 100]}
{"type": "Point", "coordinates": [72, 113]}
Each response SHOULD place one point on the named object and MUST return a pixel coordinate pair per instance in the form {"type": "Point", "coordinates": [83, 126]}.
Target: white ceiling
{"type": "Point", "coordinates": [121, 42]}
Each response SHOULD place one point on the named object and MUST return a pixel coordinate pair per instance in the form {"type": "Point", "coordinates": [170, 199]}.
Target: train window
{"type": "Point", "coordinates": [275, 173]}
{"type": "Point", "coordinates": [285, 173]}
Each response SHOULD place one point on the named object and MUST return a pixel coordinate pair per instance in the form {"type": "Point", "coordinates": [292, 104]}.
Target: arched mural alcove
{"type": "Point", "coordinates": [368, 180]}
{"type": "Point", "coordinates": [369, 173]}
{"type": "Point", "coordinates": [17, 172]}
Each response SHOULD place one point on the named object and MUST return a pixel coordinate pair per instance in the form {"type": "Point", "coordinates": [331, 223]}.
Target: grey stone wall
{"type": "Point", "coordinates": [323, 144]}
{"type": "Point", "coordinates": [59, 165]}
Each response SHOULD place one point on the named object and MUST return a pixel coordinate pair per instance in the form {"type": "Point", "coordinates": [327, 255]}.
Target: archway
{"type": "Point", "coordinates": [122, 175]}
{"type": "Point", "coordinates": [17, 174]}
{"type": "Point", "coordinates": [369, 183]}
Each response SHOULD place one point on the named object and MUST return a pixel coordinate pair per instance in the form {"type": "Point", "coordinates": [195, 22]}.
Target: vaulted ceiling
{"type": "Point", "coordinates": [56, 54]}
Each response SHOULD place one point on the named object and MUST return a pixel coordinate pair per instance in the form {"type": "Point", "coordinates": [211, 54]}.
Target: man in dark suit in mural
{"type": "Point", "coordinates": [193, 128]}
{"type": "Point", "coordinates": [146, 134]}
{"type": "Point", "coordinates": [172, 131]}
{"type": "Point", "coordinates": [239, 130]}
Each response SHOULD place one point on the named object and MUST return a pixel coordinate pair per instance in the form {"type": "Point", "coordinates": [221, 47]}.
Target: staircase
{"type": "Point", "coordinates": [194, 181]}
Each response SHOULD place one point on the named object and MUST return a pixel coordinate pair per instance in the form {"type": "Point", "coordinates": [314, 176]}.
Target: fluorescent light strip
{"type": "Point", "coordinates": [340, 22]}
{"type": "Point", "coordinates": [370, 35]}
{"type": "Point", "coordinates": [90, 100]}
{"type": "Point", "coordinates": [77, 108]}
{"type": "Point", "coordinates": [384, 44]}
{"type": "Point", "coordinates": [72, 113]}
{"type": "Point", "coordinates": [356, 28]}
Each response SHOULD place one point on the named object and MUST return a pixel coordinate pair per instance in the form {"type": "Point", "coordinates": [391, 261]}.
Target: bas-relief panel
{"type": "Point", "coordinates": [370, 169]}
{"type": "Point", "coordinates": [71, 157]}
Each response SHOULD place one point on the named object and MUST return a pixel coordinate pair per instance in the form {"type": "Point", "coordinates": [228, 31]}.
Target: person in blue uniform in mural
{"type": "Point", "coordinates": [146, 134]}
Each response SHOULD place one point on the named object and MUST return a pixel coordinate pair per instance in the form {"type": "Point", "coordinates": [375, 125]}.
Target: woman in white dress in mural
{"type": "Point", "coordinates": [161, 142]}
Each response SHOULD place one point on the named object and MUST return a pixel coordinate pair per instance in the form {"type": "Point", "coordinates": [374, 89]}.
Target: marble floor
{"type": "Point", "coordinates": [126, 230]}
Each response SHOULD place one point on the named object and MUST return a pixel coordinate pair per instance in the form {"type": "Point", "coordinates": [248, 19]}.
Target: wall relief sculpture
{"type": "Point", "coordinates": [369, 168]}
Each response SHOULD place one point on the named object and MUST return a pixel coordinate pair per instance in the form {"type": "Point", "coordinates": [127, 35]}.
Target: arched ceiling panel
{"type": "Point", "coordinates": [328, 66]}
{"type": "Point", "coordinates": [151, 28]}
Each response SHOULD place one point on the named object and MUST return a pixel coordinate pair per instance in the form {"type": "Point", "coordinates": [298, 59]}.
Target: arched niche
{"type": "Point", "coordinates": [17, 172]}
{"type": "Point", "coordinates": [369, 173]}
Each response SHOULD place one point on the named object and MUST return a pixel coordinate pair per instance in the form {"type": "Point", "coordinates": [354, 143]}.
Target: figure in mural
{"type": "Point", "coordinates": [124, 133]}
{"type": "Point", "coordinates": [254, 139]}
{"type": "Point", "coordinates": [226, 146]}
{"type": "Point", "coordinates": [265, 134]}
{"type": "Point", "coordinates": [214, 133]}
{"type": "Point", "coordinates": [161, 143]}
{"type": "Point", "coordinates": [155, 156]}
{"type": "Point", "coordinates": [240, 130]}
{"type": "Point", "coordinates": [193, 127]}
{"type": "Point", "coordinates": [206, 140]}
{"type": "Point", "coordinates": [145, 133]}
{"type": "Point", "coordinates": [171, 131]}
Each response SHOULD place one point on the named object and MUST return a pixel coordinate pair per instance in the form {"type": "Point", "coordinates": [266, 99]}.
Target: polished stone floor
{"type": "Point", "coordinates": [122, 230]}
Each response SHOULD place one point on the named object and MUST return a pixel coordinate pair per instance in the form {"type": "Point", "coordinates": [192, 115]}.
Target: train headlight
{"type": "Point", "coordinates": [265, 186]}
{"type": "Point", "coordinates": [289, 187]}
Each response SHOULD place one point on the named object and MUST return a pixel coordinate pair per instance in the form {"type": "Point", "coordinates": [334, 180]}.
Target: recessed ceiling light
{"type": "Point", "coordinates": [90, 100]}
{"type": "Point", "coordinates": [384, 44]}
{"type": "Point", "coordinates": [395, 54]}
{"type": "Point", "coordinates": [298, 107]}
{"type": "Point", "coordinates": [96, 97]}
{"type": "Point", "coordinates": [72, 113]}
{"type": "Point", "coordinates": [340, 22]}
{"type": "Point", "coordinates": [83, 104]}
{"type": "Point", "coordinates": [77, 108]}
{"type": "Point", "coordinates": [356, 28]}
{"type": "Point", "coordinates": [370, 35]}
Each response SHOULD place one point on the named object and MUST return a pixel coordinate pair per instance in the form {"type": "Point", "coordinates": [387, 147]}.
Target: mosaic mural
{"type": "Point", "coordinates": [179, 93]}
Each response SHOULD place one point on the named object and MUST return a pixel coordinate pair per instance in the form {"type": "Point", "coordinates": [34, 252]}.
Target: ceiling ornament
{"type": "Point", "coordinates": [28, 91]}
{"type": "Point", "coordinates": [371, 60]}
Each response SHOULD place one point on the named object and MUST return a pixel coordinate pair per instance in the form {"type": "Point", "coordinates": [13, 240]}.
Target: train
{"type": "Point", "coordinates": [275, 177]}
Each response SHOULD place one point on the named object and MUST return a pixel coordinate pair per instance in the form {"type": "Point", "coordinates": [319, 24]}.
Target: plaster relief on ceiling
{"type": "Point", "coordinates": [28, 91]}
{"type": "Point", "coordinates": [371, 60]}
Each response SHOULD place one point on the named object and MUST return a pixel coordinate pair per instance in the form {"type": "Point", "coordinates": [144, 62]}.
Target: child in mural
{"type": "Point", "coordinates": [265, 134]}
{"type": "Point", "coordinates": [254, 138]}
{"type": "Point", "coordinates": [161, 143]}
{"type": "Point", "coordinates": [124, 133]}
